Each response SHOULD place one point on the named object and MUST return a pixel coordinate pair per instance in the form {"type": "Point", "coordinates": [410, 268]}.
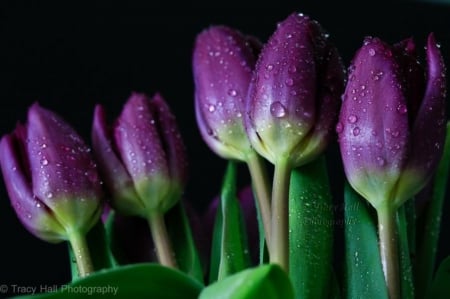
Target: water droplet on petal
{"type": "Point", "coordinates": [289, 82]}
{"type": "Point", "coordinates": [211, 108]}
{"type": "Point", "coordinates": [381, 161]}
{"type": "Point", "coordinates": [356, 131]}
{"type": "Point", "coordinates": [232, 92]}
{"type": "Point", "coordinates": [352, 119]}
{"type": "Point", "coordinates": [44, 162]}
{"type": "Point", "coordinates": [402, 109]}
{"type": "Point", "coordinates": [339, 127]}
{"type": "Point", "coordinates": [372, 52]}
{"type": "Point", "coordinates": [277, 110]}
{"type": "Point", "coordinates": [292, 69]}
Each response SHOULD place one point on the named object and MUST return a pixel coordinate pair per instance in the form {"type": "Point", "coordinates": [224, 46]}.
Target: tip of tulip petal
{"type": "Point", "coordinates": [431, 40]}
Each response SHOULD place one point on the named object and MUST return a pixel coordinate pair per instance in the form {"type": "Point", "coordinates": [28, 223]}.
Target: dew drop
{"type": "Point", "coordinates": [211, 108]}
{"type": "Point", "coordinates": [381, 161]}
{"type": "Point", "coordinates": [339, 127]}
{"type": "Point", "coordinates": [269, 67]}
{"type": "Point", "coordinates": [44, 162]}
{"type": "Point", "coordinates": [277, 110]}
{"type": "Point", "coordinates": [402, 109]}
{"type": "Point", "coordinates": [289, 82]}
{"type": "Point", "coordinates": [232, 92]}
{"type": "Point", "coordinates": [372, 52]}
{"type": "Point", "coordinates": [356, 131]}
{"type": "Point", "coordinates": [395, 133]}
{"type": "Point", "coordinates": [292, 69]}
{"type": "Point", "coordinates": [352, 119]}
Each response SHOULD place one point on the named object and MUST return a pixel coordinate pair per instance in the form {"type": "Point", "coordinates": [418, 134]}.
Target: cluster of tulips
{"type": "Point", "coordinates": [280, 102]}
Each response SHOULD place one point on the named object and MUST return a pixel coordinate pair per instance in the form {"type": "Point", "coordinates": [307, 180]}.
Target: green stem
{"type": "Point", "coordinates": [261, 185]}
{"type": "Point", "coordinates": [161, 240]}
{"type": "Point", "coordinates": [81, 252]}
{"type": "Point", "coordinates": [279, 246]}
{"type": "Point", "coordinates": [387, 231]}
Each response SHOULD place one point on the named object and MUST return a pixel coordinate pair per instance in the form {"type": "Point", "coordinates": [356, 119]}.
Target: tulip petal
{"type": "Point", "coordinates": [223, 60]}
{"type": "Point", "coordinates": [428, 135]}
{"type": "Point", "coordinates": [137, 139]}
{"type": "Point", "coordinates": [413, 74]}
{"type": "Point", "coordinates": [328, 104]}
{"type": "Point", "coordinates": [32, 213]}
{"type": "Point", "coordinates": [64, 175]}
{"type": "Point", "coordinates": [113, 172]}
{"type": "Point", "coordinates": [171, 140]}
{"type": "Point", "coordinates": [373, 127]}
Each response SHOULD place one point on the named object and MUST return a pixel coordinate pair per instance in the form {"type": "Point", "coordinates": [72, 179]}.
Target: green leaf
{"type": "Point", "coordinates": [132, 281]}
{"type": "Point", "coordinates": [266, 281]}
{"type": "Point", "coordinates": [430, 238]}
{"type": "Point", "coordinates": [440, 288]}
{"type": "Point", "coordinates": [310, 230]}
{"type": "Point", "coordinates": [364, 276]}
{"type": "Point", "coordinates": [180, 233]}
{"type": "Point", "coordinates": [406, 273]}
{"type": "Point", "coordinates": [229, 250]}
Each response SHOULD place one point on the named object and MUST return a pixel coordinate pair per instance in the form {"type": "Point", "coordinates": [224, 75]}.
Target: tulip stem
{"type": "Point", "coordinates": [258, 174]}
{"type": "Point", "coordinates": [81, 252]}
{"type": "Point", "coordinates": [389, 249]}
{"type": "Point", "coordinates": [279, 246]}
{"type": "Point", "coordinates": [161, 240]}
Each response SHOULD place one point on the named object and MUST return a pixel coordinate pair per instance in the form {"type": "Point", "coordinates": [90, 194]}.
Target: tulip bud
{"type": "Point", "coordinates": [295, 93]}
{"type": "Point", "coordinates": [142, 158]}
{"type": "Point", "coordinates": [50, 177]}
{"type": "Point", "coordinates": [223, 61]}
{"type": "Point", "coordinates": [392, 122]}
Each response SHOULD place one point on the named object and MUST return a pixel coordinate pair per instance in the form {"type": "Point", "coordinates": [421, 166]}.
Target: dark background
{"type": "Point", "coordinates": [68, 58]}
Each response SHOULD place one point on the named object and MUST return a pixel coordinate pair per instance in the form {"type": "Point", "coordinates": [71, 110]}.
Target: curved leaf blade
{"type": "Point", "coordinates": [310, 230]}
{"type": "Point", "coordinates": [364, 276]}
{"type": "Point", "coordinates": [133, 281]}
{"type": "Point", "coordinates": [267, 281]}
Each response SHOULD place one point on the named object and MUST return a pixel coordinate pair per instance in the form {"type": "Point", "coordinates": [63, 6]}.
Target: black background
{"type": "Point", "coordinates": [70, 57]}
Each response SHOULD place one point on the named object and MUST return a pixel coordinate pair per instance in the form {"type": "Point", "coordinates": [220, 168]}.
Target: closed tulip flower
{"type": "Point", "coordinates": [392, 123]}
{"type": "Point", "coordinates": [292, 107]}
{"type": "Point", "coordinates": [294, 97]}
{"type": "Point", "coordinates": [142, 158]}
{"type": "Point", "coordinates": [223, 62]}
{"type": "Point", "coordinates": [52, 180]}
{"type": "Point", "coordinates": [392, 131]}
{"type": "Point", "coordinates": [143, 161]}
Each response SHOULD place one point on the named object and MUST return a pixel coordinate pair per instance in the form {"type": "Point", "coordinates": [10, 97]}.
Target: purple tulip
{"type": "Point", "coordinates": [50, 176]}
{"type": "Point", "coordinates": [294, 96]}
{"type": "Point", "coordinates": [392, 122]}
{"type": "Point", "coordinates": [223, 61]}
{"type": "Point", "coordinates": [142, 158]}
